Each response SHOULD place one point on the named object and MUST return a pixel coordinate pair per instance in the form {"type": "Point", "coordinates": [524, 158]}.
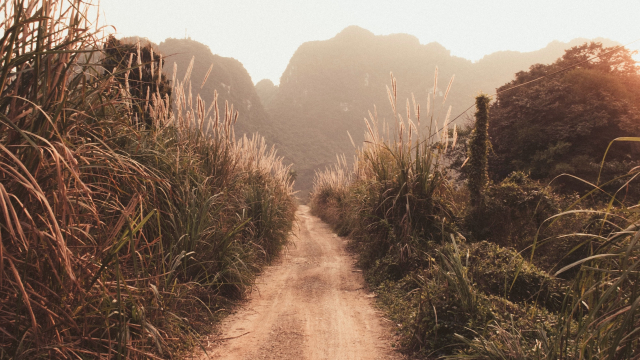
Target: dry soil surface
{"type": "Point", "coordinates": [312, 304]}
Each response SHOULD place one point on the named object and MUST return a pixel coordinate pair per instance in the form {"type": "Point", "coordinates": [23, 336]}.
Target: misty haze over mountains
{"type": "Point", "coordinates": [329, 86]}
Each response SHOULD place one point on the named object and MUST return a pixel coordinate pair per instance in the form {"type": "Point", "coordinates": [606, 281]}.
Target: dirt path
{"type": "Point", "coordinates": [311, 305]}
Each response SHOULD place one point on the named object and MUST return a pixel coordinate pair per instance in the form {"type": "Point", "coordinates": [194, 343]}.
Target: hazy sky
{"type": "Point", "coordinates": [263, 35]}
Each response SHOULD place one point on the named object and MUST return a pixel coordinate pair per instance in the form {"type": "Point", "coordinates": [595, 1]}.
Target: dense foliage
{"type": "Point", "coordinates": [542, 284]}
{"type": "Point", "coordinates": [564, 123]}
{"type": "Point", "coordinates": [120, 238]}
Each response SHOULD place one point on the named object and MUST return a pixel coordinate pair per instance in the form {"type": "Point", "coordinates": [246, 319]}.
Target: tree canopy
{"type": "Point", "coordinates": [564, 122]}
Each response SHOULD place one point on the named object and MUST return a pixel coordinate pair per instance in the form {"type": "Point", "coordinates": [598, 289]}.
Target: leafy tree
{"type": "Point", "coordinates": [563, 123]}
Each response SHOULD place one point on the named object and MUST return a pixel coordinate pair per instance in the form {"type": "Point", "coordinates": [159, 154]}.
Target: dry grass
{"type": "Point", "coordinates": [400, 163]}
{"type": "Point", "coordinates": [119, 237]}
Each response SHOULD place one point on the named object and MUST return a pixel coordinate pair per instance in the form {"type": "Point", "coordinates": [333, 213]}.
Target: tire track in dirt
{"type": "Point", "coordinates": [311, 305]}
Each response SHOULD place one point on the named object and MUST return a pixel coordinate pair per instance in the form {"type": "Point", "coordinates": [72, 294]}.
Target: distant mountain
{"type": "Point", "coordinates": [266, 91]}
{"type": "Point", "coordinates": [329, 87]}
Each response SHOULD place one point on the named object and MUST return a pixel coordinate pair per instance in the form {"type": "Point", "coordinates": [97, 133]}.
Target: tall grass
{"type": "Point", "coordinates": [119, 237]}
{"type": "Point", "coordinates": [397, 204]}
{"type": "Point", "coordinates": [398, 186]}
{"type": "Point", "coordinates": [601, 315]}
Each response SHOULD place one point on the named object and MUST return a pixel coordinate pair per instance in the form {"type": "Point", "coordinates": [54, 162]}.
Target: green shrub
{"type": "Point", "coordinates": [513, 211]}
{"type": "Point", "coordinates": [450, 305]}
{"type": "Point", "coordinates": [503, 272]}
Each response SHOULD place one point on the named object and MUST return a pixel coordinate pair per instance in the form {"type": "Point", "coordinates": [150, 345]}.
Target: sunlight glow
{"type": "Point", "coordinates": [264, 35]}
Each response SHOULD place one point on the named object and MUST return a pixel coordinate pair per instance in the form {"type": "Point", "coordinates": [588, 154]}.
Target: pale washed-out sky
{"type": "Point", "coordinates": [263, 35]}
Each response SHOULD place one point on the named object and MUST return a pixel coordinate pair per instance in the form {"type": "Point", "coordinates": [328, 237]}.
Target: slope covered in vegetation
{"type": "Point", "coordinates": [508, 270]}
{"type": "Point", "coordinates": [129, 214]}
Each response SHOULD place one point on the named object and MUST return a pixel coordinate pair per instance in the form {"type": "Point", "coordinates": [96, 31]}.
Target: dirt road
{"type": "Point", "coordinates": [311, 305]}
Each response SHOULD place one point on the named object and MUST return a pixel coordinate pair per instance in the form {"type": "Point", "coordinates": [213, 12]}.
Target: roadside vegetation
{"type": "Point", "coordinates": [131, 214]}
{"type": "Point", "coordinates": [497, 263]}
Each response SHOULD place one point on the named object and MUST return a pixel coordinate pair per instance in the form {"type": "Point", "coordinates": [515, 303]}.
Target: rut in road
{"type": "Point", "coordinates": [311, 305]}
